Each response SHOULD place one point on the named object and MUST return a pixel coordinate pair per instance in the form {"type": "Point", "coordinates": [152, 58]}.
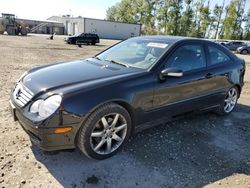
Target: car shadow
{"type": "Point", "coordinates": [191, 152]}
{"type": "Point", "coordinates": [96, 45]}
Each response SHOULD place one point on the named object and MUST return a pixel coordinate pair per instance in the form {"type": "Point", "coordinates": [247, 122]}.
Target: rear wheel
{"type": "Point", "coordinates": [105, 131]}
{"type": "Point", "coordinates": [244, 51]}
{"type": "Point", "coordinates": [230, 101]}
{"type": "Point", "coordinates": [12, 30]}
{"type": "Point", "coordinates": [93, 42]}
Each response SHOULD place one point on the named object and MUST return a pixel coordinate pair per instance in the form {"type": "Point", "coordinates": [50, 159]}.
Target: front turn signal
{"type": "Point", "coordinates": [63, 130]}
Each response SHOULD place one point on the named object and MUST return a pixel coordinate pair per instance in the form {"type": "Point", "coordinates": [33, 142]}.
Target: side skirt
{"type": "Point", "coordinates": [165, 120]}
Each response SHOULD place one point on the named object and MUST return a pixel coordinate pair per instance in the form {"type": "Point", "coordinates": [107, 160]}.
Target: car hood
{"type": "Point", "coordinates": [65, 74]}
{"type": "Point", "coordinates": [74, 36]}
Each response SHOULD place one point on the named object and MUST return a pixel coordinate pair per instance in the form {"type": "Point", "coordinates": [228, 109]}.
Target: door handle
{"type": "Point", "coordinates": [209, 75]}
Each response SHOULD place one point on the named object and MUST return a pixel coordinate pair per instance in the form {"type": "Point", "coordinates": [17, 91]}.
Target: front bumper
{"type": "Point", "coordinates": [238, 50]}
{"type": "Point", "coordinates": [44, 137]}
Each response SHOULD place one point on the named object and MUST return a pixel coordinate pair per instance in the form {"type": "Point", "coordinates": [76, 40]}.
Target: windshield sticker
{"type": "Point", "coordinates": [157, 45]}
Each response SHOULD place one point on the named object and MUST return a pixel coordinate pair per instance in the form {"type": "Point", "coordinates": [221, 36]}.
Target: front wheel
{"type": "Point", "coordinates": [105, 131]}
{"type": "Point", "coordinates": [23, 31]}
{"type": "Point", "coordinates": [229, 102]}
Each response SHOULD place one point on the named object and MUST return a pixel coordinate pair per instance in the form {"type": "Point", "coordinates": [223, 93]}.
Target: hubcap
{"type": "Point", "coordinates": [108, 133]}
{"type": "Point", "coordinates": [230, 100]}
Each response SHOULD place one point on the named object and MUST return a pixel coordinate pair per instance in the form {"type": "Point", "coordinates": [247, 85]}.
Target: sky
{"type": "Point", "coordinates": [43, 9]}
{"type": "Point", "coordinates": [219, 2]}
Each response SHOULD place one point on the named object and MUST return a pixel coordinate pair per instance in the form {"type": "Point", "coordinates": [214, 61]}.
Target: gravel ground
{"type": "Point", "coordinates": [198, 151]}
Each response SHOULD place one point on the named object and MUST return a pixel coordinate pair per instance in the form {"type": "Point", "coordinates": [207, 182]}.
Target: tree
{"type": "Point", "coordinates": [149, 14]}
{"type": "Point", "coordinates": [135, 11]}
{"type": "Point", "coordinates": [126, 11]}
{"type": "Point", "coordinates": [222, 31]}
{"type": "Point", "coordinates": [247, 26]}
{"type": "Point", "coordinates": [204, 20]}
{"type": "Point", "coordinates": [184, 17]}
{"type": "Point", "coordinates": [122, 12]}
{"type": "Point", "coordinates": [195, 31]}
{"type": "Point", "coordinates": [174, 15]}
{"type": "Point", "coordinates": [186, 21]}
{"type": "Point", "coordinates": [162, 15]}
{"type": "Point", "coordinates": [233, 20]}
{"type": "Point", "coordinates": [217, 17]}
{"type": "Point", "coordinates": [237, 29]}
{"type": "Point", "coordinates": [111, 13]}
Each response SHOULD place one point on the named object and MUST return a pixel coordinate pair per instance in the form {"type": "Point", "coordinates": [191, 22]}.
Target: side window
{"type": "Point", "coordinates": [187, 57]}
{"type": "Point", "coordinates": [217, 56]}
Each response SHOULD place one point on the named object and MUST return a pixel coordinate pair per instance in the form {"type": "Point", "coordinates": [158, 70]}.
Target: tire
{"type": "Point", "coordinates": [23, 31]}
{"type": "Point", "coordinates": [11, 30]}
{"type": "Point", "coordinates": [223, 110]}
{"type": "Point", "coordinates": [93, 43]}
{"type": "Point", "coordinates": [244, 52]}
{"type": "Point", "coordinates": [98, 142]}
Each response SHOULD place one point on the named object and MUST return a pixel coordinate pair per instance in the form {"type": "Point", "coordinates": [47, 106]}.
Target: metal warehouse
{"type": "Point", "coordinates": [104, 28]}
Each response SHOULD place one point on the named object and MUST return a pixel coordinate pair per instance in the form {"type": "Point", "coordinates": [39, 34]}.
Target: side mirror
{"type": "Point", "coordinates": [171, 72]}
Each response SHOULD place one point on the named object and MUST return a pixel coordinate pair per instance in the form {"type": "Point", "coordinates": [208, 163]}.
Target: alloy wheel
{"type": "Point", "coordinates": [108, 133]}
{"type": "Point", "coordinates": [230, 100]}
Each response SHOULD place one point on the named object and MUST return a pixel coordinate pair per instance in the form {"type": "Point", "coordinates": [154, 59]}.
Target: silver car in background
{"type": "Point", "coordinates": [243, 49]}
{"type": "Point", "coordinates": [234, 45]}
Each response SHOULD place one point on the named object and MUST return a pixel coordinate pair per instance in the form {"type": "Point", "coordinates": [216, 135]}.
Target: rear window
{"type": "Point", "coordinates": [217, 56]}
{"type": "Point", "coordinates": [91, 35]}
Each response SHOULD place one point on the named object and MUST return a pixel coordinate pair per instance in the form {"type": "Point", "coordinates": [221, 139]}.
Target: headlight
{"type": "Point", "coordinates": [35, 106]}
{"type": "Point", "coordinates": [45, 108]}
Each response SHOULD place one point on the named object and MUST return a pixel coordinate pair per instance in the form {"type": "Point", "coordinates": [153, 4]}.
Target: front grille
{"type": "Point", "coordinates": [22, 95]}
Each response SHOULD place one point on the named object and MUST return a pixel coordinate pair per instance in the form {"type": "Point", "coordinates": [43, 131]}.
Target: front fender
{"type": "Point", "coordinates": [81, 104]}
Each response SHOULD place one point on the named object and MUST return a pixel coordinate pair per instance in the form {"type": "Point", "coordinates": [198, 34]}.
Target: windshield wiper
{"type": "Point", "coordinates": [115, 62]}
{"type": "Point", "coordinates": [97, 58]}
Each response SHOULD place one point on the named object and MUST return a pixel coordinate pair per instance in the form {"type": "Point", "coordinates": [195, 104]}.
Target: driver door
{"type": "Point", "coordinates": [178, 95]}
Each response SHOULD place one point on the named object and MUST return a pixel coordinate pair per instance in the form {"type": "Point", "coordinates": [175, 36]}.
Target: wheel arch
{"type": "Point", "coordinates": [120, 102]}
{"type": "Point", "coordinates": [239, 88]}
{"type": "Point", "coordinates": [130, 110]}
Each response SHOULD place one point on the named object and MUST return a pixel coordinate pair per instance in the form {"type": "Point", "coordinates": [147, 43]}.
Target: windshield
{"type": "Point", "coordinates": [77, 34]}
{"type": "Point", "coordinates": [135, 53]}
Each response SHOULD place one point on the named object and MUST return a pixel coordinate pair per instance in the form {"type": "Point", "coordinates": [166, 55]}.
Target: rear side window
{"type": "Point", "coordinates": [187, 58]}
{"type": "Point", "coordinates": [217, 56]}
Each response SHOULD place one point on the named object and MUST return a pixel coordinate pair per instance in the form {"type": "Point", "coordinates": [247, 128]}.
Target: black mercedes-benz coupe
{"type": "Point", "coordinates": [95, 104]}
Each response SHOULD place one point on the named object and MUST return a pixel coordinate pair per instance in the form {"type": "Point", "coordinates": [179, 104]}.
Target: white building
{"type": "Point", "coordinates": [104, 28]}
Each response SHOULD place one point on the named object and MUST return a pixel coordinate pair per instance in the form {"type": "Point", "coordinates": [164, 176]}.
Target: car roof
{"type": "Point", "coordinates": [167, 39]}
